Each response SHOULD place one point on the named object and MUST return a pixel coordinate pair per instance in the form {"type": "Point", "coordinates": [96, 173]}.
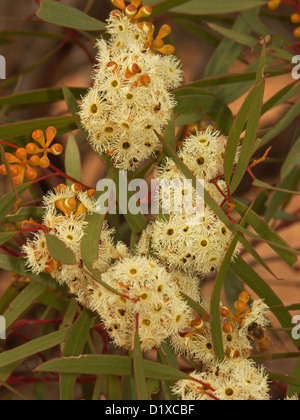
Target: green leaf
{"type": "Point", "coordinates": [190, 100]}
{"type": "Point", "coordinates": [26, 128]}
{"type": "Point", "coordinates": [90, 241]}
{"type": "Point", "coordinates": [73, 160]}
{"type": "Point", "coordinates": [266, 232]}
{"type": "Point", "coordinates": [17, 266]}
{"type": "Point", "coordinates": [294, 389]}
{"type": "Point", "coordinates": [25, 213]}
{"type": "Point", "coordinates": [166, 5]}
{"type": "Point", "coordinates": [291, 380]}
{"type": "Point", "coordinates": [68, 17]}
{"type": "Point", "coordinates": [59, 251]}
{"type": "Point", "coordinates": [109, 365]}
{"type": "Point", "coordinates": [40, 96]}
{"type": "Point", "coordinates": [249, 141]}
{"type": "Point", "coordinates": [74, 347]}
{"type": "Point", "coordinates": [260, 184]}
{"type": "Point", "coordinates": [194, 305]}
{"type": "Point", "coordinates": [9, 199]}
{"type": "Point", "coordinates": [292, 160]}
{"type": "Point", "coordinates": [6, 237]}
{"type": "Point", "coordinates": [138, 368]}
{"type": "Point", "coordinates": [22, 302]}
{"type": "Point", "coordinates": [235, 36]}
{"type": "Point", "coordinates": [33, 347]}
{"type": "Point", "coordinates": [197, 7]}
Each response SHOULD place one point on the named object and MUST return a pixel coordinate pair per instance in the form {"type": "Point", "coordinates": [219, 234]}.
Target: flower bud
{"type": "Point", "coordinates": [31, 174]}
{"type": "Point", "coordinates": [44, 162]}
{"type": "Point", "coordinates": [21, 153]}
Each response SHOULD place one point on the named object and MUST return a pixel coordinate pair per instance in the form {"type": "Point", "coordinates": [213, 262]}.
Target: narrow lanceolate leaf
{"type": "Point", "coordinates": [68, 17]}
{"type": "Point", "coordinates": [236, 36]}
{"type": "Point", "coordinates": [22, 302]}
{"type": "Point", "coordinates": [33, 347]}
{"type": "Point", "coordinates": [59, 251]}
{"type": "Point", "coordinates": [265, 232]}
{"type": "Point", "coordinates": [26, 128]}
{"type": "Point", "coordinates": [194, 305]}
{"type": "Point", "coordinates": [17, 266]}
{"type": "Point", "coordinates": [6, 237]}
{"type": "Point", "coordinates": [249, 141]}
{"type": "Point", "coordinates": [138, 367]}
{"type": "Point", "coordinates": [25, 213]}
{"type": "Point", "coordinates": [197, 7]}
{"type": "Point", "coordinates": [74, 347]}
{"type": "Point", "coordinates": [291, 380]}
{"type": "Point", "coordinates": [9, 199]}
{"type": "Point", "coordinates": [292, 160]}
{"type": "Point", "coordinates": [90, 241]}
{"type": "Point", "coordinates": [73, 160]}
{"type": "Point", "coordinates": [109, 365]}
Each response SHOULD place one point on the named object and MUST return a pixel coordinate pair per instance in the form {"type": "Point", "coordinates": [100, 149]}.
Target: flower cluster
{"type": "Point", "coordinates": [130, 98]}
{"type": "Point", "coordinates": [197, 243]}
{"type": "Point", "coordinates": [25, 159]}
{"type": "Point", "coordinates": [231, 380]}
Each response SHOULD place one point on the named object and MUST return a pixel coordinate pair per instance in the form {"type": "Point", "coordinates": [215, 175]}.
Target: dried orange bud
{"type": "Point", "coordinates": [164, 31]}
{"type": "Point", "coordinates": [240, 306]}
{"type": "Point", "coordinates": [38, 136]}
{"type": "Point", "coordinates": [158, 44]}
{"type": "Point", "coordinates": [3, 170]}
{"type": "Point", "coordinates": [295, 18]}
{"type": "Point", "coordinates": [198, 324]}
{"type": "Point", "coordinates": [228, 328]}
{"type": "Point", "coordinates": [51, 132]}
{"type": "Point", "coordinates": [136, 3]}
{"type": "Point", "coordinates": [168, 50]}
{"type": "Point", "coordinates": [34, 160]}
{"type": "Point", "coordinates": [44, 162]}
{"type": "Point", "coordinates": [76, 187]}
{"type": "Point", "coordinates": [112, 66]}
{"type": "Point", "coordinates": [91, 193]}
{"type": "Point", "coordinates": [244, 296]}
{"type": "Point", "coordinates": [120, 4]}
{"type": "Point", "coordinates": [60, 188]}
{"type": "Point", "coordinates": [147, 27]}
{"type": "Point", "coordinates": [32, 148]}
{"type": "Point", "coordinates": [50, 266]}
{"type": "Point", "coordinates": [14, 170]}
{"type": "Point", "coordinates": [143, 81]}
{"type": "Point", "coordinates": [116, 14]}
{"type": "Point", "coordinates": [70, 204]}
{"type": "Point", "coordinates": [132, 70]}
{"type": "Point", "coordinates": [31, 174]}
{"type": "Point", "coordinates": [57, 149]}
{"type": "Point", "coordinates": [131, 10]}
{"type": "Point", "coordinates": [297, 32]}
{"type": "Point", "coordinates": [225, 312]}
{"type": "Point", "coordinates": [274, 4]}
{"type": "Point", "coordinates": [21, 153]}
{"type": "Point", "coordinates": [144, 12]}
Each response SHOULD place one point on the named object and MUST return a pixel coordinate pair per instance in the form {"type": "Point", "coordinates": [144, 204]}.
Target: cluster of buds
{"type": "Point", "coordinates": [23, 162]}
{"type": "Point", "coordinates": [295, 17]}
{"type": "Point", "coordinates": [241, 312]}
{"type": "Point", "coordinates": [136, 12]}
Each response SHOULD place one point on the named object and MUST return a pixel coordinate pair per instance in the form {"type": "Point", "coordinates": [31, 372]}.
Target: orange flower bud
{"type": "Point", "coordinates": [228, 328]}
{"type": "Point", "coordinates": [44, 162]}
{"type": "Point", "coordinates": [224, 312]}
{"type": "Point", "coordinates": [158, 44]}
{"type": "Point", "coordinates": [31, 174]}
{"type": "Point", "coordinates": [120, 4]}
{"type": "Point", "coordinates": [132, 70]}
{"type": "Point", "coordinates": [60, 188]}
{"type": "Point", "coordinates": [112, 66]}
{"type": "Point", "coordinates": [76, 187]}
{"type": "Point", "coordinates": [3, 170]}
{"type": "Point", "coordinates": [38, 136]}
{"type": "Point", "coordinates": [50, 266]}
{"type": "Point", "coordinates": [143, 81]}
{"type": "Point", "coordinates": [34, 160]}
{"type": "Point", "coordinates": [244, 296]}
{"type": "Point", "coordinates": [297, 32]}
{"type": "Point", "coordinates": [167, 50]}
{"type": "Point", "coordinates": [91, 193]}
{"type": "Point", "coordinates": [32, 148]}
{"type": "Point", "coordinates": [144, 12]}
{"type": "Point", "coordinates": [131, 10]}
{"type": "Point", "coordinates": [136, 3]}
{"type": "Point", "coordinates": [56, 149]}
{"type": "Point", "coordinates": [70, 204]}
{"type": "Point", "coordinates": [295, 18]}
{"type": "Point", "coordinates": [240, 306]}
{"type": "Point", "coordinates": [164, 31]}
{"type": "Point", "coordinates": [51, 132]}
{"type": "Point", "coordinates": [274, 4]}
{"type": "Point", "coordinates": [21, 153]}
{"type": "Point", "coordinates": [14, 170]}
